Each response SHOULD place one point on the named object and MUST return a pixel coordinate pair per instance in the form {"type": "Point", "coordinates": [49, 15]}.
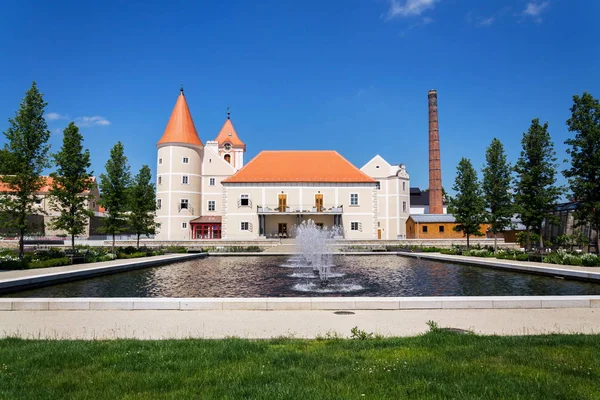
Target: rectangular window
{"type": "Point", "coordinates": [184, 180]}
{"type": "Point", "coordinates": [186, 160]}
{"type": "Point", "coordinates": [160, 160]}
{"type": "Point", "coordinates": [378, 185]}
{"type": "Point", "coordinates": [212, 205]}
{"type": "Point", "coordinates": [441, 228]}
{"type": "Point", "coordinates": [353, 226]}
{"type": "Point", "coordinates": [424, 228]}
{"type": "Point", "coordinates": [244, 226]}
{"type": "Point", "coordinates": [353, 199]}
{"type": "Point", "coordinates": [184, 225]}
{"type": "Point", "coordinates": [183, 205]}
{"type": "Point", "coordinates": [38, 201]}
{"type": "Point", "coordinates": [211, 181]}
{"type": "Point", "coordinates": [404, 206]}
{"type": "Point", "coordinates": [404, 186]}
{"type": "Point", "coordinates": [160, 180]}
{"type": "Point", "coordinates": [158, 204]}
{"type": "Point", "coordinates": [244, 200]}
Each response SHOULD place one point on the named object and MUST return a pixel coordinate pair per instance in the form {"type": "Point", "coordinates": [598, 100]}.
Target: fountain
{"type": "Point", "coordinates": [316, 255]}
{"type": "Point", "coordinates": [314, 243]}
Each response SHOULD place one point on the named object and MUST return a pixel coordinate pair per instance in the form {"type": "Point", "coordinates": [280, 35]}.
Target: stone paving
{"type": "Point", "coordinates": [298, 324]}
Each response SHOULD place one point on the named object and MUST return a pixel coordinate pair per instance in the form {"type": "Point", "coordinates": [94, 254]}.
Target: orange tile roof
{"type": "Point", "coordinates": [180, 128]}
{"type": "Point", "coordinates": [228, 134]}
{"type": "Point", "coordinates": [46, 185]}
{"type": "Point", "coordinates": [299, 166]}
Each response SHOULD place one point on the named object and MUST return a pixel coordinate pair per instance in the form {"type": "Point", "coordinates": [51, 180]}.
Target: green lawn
{"type": "Point", "coordinates": [438, 365]}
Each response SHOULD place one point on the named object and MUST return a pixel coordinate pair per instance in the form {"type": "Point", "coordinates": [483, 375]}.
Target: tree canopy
{"type": "Point", "coordinates": [27, 149]}
{"type": "Point", "coordinates": [467, 206]}
{"type": "Point", "coordinates": [584, 152]}
{"type": "Point", "coordinates": [71, 184]}
{"type": "Point", "coordinates": [535, 191]}
{"type": "Point", "coordinates": [496, 188]}
{"type": "Point", "coordinates": [142, 204]}
{"type": "Point", "coordinates": [114, 186]}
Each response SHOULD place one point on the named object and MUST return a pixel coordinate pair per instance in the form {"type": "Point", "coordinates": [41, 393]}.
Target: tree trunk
{"type": "Point", "coordinates": [138, 241]}
{"type": "Point", "coordinates": [468, 242]}
{"type": "Point", "coordinates": [598, 243]}
{"type": "Point", "coordinates": [21, 244]}
{"type": "Point", "coordinates": [495, 242]}
{"type": "Point", "coordinates": [113, 243]}
{"type": "Point", "coordinates": [528, 244]}
{"type": "Point", "coordinates": [73, 243]}
{"type": "Point", "coordinates": [541, 239]}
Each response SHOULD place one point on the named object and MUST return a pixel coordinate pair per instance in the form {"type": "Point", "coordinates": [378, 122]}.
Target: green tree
{"type": "Point", "coordinates": [114, 186]}
{"type": "Point", "coordinates": [7, 162]}
{"type": "Point", "coordinates": [27, 145]}
{"type": "Point", "coordinates": [496, 189]}
{"type": "Point", "coordinates": [535, 191]}
{"type": "Point", "coordinates": [467, 205]}
{"type": "Point", "coordinates": [71, 184]}
{"type": "Point", "coordinates": [584, 173]}
{"type": "Point", "coordinates": [142, 204]}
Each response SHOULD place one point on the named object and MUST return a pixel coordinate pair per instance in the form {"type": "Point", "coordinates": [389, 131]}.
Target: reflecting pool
{"type": "Point", "coordinates": [277, 276]}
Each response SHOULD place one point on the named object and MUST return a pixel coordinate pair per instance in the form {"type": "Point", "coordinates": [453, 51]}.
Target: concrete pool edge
{"type": "Point", "coordinates": [553, 270]}
{"type": "Point", "coordinates": [300, 303]}
{"type": "Point", "coordinates": [56, 275]}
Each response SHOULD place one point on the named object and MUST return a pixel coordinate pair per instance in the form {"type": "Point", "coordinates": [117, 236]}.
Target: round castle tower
{"type": "Point", "coordinates": [179, 174]}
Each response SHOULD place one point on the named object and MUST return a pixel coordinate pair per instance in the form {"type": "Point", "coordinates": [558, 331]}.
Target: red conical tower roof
{"type": "Point", "coordinates": [180, 128]}
{"type": "Point", "coordinates": [228, 134]}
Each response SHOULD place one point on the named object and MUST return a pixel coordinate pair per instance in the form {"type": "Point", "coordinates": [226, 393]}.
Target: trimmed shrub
{"type": "Point", "coordinates": [590, 260]}
{"type": "Point", "coordinates": [126, 256]}
{"type": "Point", "coordinates": [176, 249]}
{"type": "Point", "coordinates": [53, 262]}
{"type": "Point", "coordinates": [522, 257]}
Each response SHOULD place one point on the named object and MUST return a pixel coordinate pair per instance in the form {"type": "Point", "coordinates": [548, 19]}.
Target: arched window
{"type": "Point", "coordinates": [228, 158]}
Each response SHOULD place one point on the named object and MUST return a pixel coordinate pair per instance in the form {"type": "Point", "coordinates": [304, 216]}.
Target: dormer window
{"type": "Point", "coordinates": [228, 158]}
{"type": "Point", "coordinates": [186, 160]}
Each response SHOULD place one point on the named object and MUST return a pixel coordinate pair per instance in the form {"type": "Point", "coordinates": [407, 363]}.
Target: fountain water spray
{"type": "Point", "coordinates": [315, 246]}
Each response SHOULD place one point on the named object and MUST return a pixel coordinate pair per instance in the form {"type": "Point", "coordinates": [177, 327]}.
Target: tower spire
{"type": "Point", "coordinates": [180, 128]}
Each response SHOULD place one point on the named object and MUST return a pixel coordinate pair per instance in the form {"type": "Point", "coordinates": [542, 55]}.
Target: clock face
{"type": "Point", "coordinates": [227, 146]}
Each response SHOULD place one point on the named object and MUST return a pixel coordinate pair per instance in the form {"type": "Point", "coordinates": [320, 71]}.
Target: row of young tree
{"type": "Point", "coordinates": [529, 188]}
{"type": "Point", "coordinates": [130, 203]}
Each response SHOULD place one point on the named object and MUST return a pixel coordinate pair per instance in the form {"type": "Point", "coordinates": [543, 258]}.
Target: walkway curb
{"type": "Point", "coordinates": [301, 303]}
{"type": "Point", "coordinates": [510, 266]}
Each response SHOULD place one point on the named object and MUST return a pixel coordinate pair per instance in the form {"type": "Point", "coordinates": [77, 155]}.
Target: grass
{"type": "Point", "coordinates": [437, 365]}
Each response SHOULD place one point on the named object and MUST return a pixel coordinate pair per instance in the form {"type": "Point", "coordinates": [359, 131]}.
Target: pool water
{"type": "Point", "coordinates": [277, 276]}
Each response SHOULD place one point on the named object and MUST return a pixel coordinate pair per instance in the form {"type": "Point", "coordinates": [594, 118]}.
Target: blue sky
{"type": "Point", "coordinates": [349, 75]}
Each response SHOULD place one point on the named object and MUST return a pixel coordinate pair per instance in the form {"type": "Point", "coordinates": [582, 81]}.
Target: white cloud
{"type": "Point", "coordinates": [91, 121]}
{"type": "Point", "coordinates": [408, 8]}
{"type": "Point", "coordinates": [424, 21]}
{"type": "Point", "coordinates": [52, 116]}
{"type": "Point", "coordinates": [486, 21]}
{"type": "Point", "coordinates": [535, 9]}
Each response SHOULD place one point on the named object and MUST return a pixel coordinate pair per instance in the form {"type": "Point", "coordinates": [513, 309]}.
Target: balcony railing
{"type": "Point", "coordinates": [302, 209]}
{"type": "Point", "coordinates": [244, 203]}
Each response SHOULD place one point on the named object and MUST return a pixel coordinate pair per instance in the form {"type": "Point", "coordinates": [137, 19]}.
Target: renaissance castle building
{"type": "Point", "coordinates": [205, 191]}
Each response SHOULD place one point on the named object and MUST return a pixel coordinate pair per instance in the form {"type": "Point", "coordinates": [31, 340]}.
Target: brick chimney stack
{"type": "Point", "coordinates": [435, 168]}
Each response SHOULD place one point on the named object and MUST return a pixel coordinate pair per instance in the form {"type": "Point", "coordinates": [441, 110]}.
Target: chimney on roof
{"type": "Point", "coordinates": [435, 168]}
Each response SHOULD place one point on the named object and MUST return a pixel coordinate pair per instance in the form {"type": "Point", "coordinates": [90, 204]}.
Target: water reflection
{"type": "Point", "coordinates": [265, 277]}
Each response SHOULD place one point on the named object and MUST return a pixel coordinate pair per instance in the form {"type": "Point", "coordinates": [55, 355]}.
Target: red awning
{"type": "Point", "coordinates": [207, 219]}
